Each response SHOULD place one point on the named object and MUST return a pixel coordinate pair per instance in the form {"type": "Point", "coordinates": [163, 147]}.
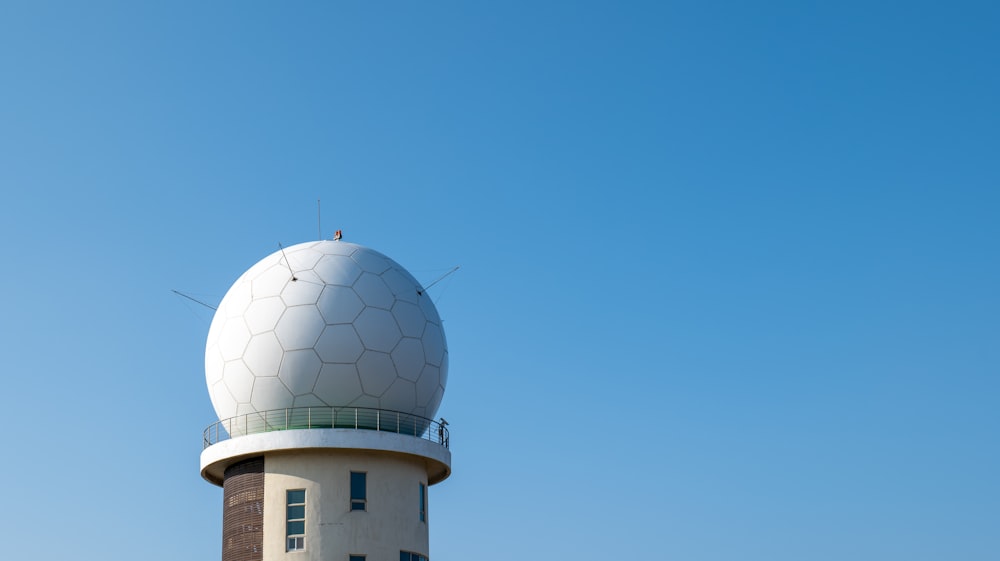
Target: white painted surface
{"type": "Point", "coordinates": [435, 458]}
{"type": "Point", "coordinates": [390, 523]}
{"type": "Point", "coordinates": [353, 329]}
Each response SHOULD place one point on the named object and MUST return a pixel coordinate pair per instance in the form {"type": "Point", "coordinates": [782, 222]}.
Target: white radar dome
{"type": "Point", "coordinates": [326, 323]}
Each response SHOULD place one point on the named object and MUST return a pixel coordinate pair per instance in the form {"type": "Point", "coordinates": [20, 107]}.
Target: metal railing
{"type": "Point", "coordinates": [298, 418]}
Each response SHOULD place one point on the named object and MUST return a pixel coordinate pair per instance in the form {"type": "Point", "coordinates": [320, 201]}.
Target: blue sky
{"type": "Point", "coordinates": [728, 283]}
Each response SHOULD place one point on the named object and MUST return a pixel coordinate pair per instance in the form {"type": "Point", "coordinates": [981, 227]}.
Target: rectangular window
{"type": "Point", "coordinates": [410, 556]}
{"type": "Point", "coordinates": [295, 519]}
{"type": "Point", "coordinates": [356, 558]}
{"type": "Point", "coordinates": [359, 485]}
{"type": "Point", "coordinates": [423, 502]}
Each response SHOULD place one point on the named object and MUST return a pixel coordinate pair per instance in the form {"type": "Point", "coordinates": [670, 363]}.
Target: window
{"type": "Point", "coordinates": [359, 500]}
{"type": "Point", "coordinates": [295, 519]}
{"type": "Point", "coordinates": [356, 558]}
{"type": "Point", "coordinates": [410, 556]}
{"type": "Point", "coordinates": [423, 502]}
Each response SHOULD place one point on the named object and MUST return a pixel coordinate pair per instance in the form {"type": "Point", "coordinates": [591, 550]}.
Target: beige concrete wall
{"type": "Point", "coordinates": [391, 523]}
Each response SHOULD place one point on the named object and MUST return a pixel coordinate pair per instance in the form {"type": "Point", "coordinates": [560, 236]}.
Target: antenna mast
{"type": "Point", "coordinates": [287, 263]}
{"type": "Point", "coordinates": [439, 279]}
{"type": "Point", "coordinates": [193, 299]}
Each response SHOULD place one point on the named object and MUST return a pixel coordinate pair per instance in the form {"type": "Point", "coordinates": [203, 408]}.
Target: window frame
{"type": "Point", "coordinates": [359, 503]}
{"type": "Point", "coordinates": [295, 541]}
{"type": "Point", "coordinates": [423, 502]}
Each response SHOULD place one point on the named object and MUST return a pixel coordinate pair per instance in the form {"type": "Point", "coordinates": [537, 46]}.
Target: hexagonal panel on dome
{"type": "Point", "coordinates": [215, 330]}
{"type": "Point", "coordinates": [401, 396]}
{"type": "Point", "coordinates": [435, 401]}
{"type": "Point", "coordinates": [263, 355]}
{"type": "Point", "coordinates": [338, 384]}
{"type": "Point", "coordinates": [377, 329]}
{"type": "Point", "coordinates": [434, 347]}
{"type": "Point", "coordinates": [233, 339]}
{"type": "Point", "coordinates": [427, 384]}
{"type": "Point", "coordinates": [377, 372]}
{"type": "Point", "coordinates": [444, 370]}
{"type": "Point", "coordinates": [263, 314]}
{"type": "Point", "coordinates": [430, 312]}
{"type": "Point", "coordinates": [410, 318]}
{"type": "Point", "coordinates": [338, 270]}
{"type": "Point", "coordinates": [373, 291]}
{"type": "Point", "coordinates": [339, 248]}
{"type": "Point", "coordinates": [402, 286]}
{"type": "Point", "coordinates": [371, 261]}
{"type": "Point", "coordinates": [222, 400]}
{"type": "Point", "coordinates": [299, 370]}
{"type": "Point", "coordinates": [304, 258]}
{"type": "Point", "coordinates": [299, 327]}
{"type": "Point", "coordinates": [304, 290]}
{"type": "Point", "coordinates": [270, 281]}
{"type": "Point", "coordinates": [408, 356]}
{"type": "Point", "coordinates": [238, 379]}
{"type": "Point", "coordinates": [237, 300]}
{"type": "Point", "coordinates": [270, 393]}
{"type": "Point", "coordinates": [339, 304]}
{"type": "Point", "coordinates": [339, 343]}
{"type": "Point", "coordinates": [213, 366]}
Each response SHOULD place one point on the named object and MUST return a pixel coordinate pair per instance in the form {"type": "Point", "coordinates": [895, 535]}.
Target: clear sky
{"type": "Point", "coordinates": [729, 270]}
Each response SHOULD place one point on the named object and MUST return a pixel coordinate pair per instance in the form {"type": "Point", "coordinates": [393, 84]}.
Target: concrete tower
{"type": "Point", "coordinates": [326, 363]}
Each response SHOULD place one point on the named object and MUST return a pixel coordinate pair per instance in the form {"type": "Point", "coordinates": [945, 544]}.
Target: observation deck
{"type": "Point", "coordinates": [259, 433]}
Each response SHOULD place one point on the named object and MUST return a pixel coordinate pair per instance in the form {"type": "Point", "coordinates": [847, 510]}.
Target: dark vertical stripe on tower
{"type": "Point", "coordinates": [243, 511]}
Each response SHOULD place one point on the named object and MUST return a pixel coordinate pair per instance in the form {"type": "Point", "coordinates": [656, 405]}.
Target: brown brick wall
{"type": "Point", "coordinates": [243, 511]}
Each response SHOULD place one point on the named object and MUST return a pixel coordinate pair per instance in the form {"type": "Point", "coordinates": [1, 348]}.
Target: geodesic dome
{"type": "Point", "coordinates": [326, 323]}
